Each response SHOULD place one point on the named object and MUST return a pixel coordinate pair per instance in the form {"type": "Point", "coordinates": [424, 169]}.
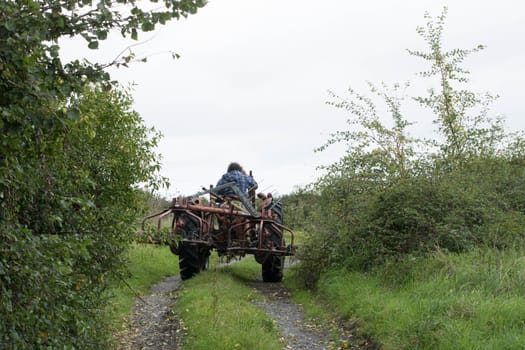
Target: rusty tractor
{"type": "Point", "coordinates": [230, 225]}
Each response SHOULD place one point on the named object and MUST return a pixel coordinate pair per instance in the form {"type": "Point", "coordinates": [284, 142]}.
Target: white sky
{"type": "Point", "coordinates": [252, 80]}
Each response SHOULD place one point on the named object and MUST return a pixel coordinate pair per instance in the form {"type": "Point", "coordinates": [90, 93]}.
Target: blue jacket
{"type": "Point", "coordinates": [243, 182]}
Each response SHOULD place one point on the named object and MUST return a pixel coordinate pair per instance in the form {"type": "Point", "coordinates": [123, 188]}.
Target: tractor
{"type": "Point", "coordinates": [232, 226]}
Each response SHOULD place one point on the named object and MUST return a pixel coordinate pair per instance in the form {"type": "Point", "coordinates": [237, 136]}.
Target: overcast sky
{"type": "Point", "coordinates": [252, 80]}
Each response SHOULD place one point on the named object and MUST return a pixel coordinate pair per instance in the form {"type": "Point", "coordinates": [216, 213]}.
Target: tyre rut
{"type": "Point", "coordinates": [297, 332]}
{"type": "Point", "coordinates": [152, 325]}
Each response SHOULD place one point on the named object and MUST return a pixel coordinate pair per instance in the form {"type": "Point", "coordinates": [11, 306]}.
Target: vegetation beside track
{"type": "Point", "coordinates": [472, 300]}
{"type": "Point", "coordinates": [73, 153]}
{"type": "Point", "coordinates": [420, 242]}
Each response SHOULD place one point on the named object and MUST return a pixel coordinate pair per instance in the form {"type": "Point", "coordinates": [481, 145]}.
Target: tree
{"type": "Point", "coordinates": [460, 114]}
{"type": "Point", "coordinates": [377, 156]}
{"type": "Point", "coordinates": [32, 75]}
{"type": "Point", "coordinates": [62, 244]}
{"type": "Point", "coordinates": [72, 154]}
{"type": "Point", "coordinates": [34, 81]}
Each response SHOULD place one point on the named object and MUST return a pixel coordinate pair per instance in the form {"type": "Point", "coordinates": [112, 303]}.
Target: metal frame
{"type": "Point", "coordinates": [231, 219]}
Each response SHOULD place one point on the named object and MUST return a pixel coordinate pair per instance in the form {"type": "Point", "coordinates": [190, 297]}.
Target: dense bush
{"type": "Point", "coordinates": [392, 196]}
{"type": "Point", "coordinates": [72, 154]}
{"type": "Point", "coordinates": [300, 208]}
{"type": "Point", "coordinates": [62, 242]}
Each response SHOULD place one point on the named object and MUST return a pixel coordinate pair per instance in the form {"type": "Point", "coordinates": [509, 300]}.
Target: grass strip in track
{"type": "Point", "coordinates": [217, 312]}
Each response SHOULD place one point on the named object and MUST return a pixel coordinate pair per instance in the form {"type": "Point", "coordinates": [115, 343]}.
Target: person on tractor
{"type": "Point", "coordinates": [237, 185]}
{"type": "Point", "coordinates": [236, 174]}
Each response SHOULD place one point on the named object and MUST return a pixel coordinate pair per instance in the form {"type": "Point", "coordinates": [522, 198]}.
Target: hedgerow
{"type": "Point", "coordinates": [392, 195]}
{"type": "Point", "coordinates": [72, 154]}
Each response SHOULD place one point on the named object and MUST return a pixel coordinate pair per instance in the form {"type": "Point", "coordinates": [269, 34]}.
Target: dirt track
{"type": "Point", "coordinates": [153, 327]}
{"type": "Point", "coordinates": [298, 333]}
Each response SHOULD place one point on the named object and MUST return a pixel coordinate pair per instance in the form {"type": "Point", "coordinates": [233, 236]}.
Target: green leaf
{"type": "Point", "coordinates": [93, 45]}
{"type": "Point", "coordinates": [33, 6]}
{"type": "Point", "coordinates": [54, 51]}
{"type": "Point", "coordinates": [73, 114]}
{"type": "Point", "coordinates": [147, 26]}
{"type": "Point", "coordinates": [134, 34]}
{"type": "Point", "coordinates": [60, 22]}
{"type": "Point", "coordinates": [102, 34]}
{"type": "Point", "coordinates": [10, 26]}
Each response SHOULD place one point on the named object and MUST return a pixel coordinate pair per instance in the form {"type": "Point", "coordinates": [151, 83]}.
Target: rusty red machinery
{"type": "Point", "coordinates": [234, 226]}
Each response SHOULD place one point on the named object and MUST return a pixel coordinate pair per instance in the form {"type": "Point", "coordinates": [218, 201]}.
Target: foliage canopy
{"type": "Point", "coordinates": [72, 153]}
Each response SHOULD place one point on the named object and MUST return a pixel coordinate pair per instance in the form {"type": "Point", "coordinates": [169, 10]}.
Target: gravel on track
{"type": "Point", "coordinates": [152, 325]}
{"type": "Point", "coordinates": [297, 332]}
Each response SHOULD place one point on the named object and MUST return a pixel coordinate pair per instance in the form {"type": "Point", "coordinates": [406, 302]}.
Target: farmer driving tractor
{"type": "Point", "coordinates": [240, 186]}
{"type": "Point", "coordinates": [235, 173]}
{"type": "Point", "coordinates": [229, 223]}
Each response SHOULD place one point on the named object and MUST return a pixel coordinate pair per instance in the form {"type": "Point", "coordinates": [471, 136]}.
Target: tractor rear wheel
{"type": "Point", "coordinates": [192, 260]}
{"type": "Point", "coordinates": [272, 268]}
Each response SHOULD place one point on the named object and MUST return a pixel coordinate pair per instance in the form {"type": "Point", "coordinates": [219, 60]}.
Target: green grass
{"type": "Point", "coordinates": [147, 264]}
{"type": "Point", "coordinates": [246, 270]}
{"type": "Point", "coordinates": [448, 301]}
{"type": "Point", "coordinates": [313, 309]}
{"type": "Point", "coordinates": [218, 312]}
{"type": "Point", "coordinates": [315, 312]}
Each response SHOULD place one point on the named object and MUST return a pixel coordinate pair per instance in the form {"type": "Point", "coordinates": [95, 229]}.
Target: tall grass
{"type": "Point", "coordinates": [448, 301]}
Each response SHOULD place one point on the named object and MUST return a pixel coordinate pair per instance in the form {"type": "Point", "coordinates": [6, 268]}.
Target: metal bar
{"type": "Point", "coordinates": [196, 241]}
{"type": "Point", "coordinates": [211, 190]}
{"type": "Point", "coordinates": [257, 250]}
{"type": "Point", "coordinates": [216, 210]}
{"type": "Point", "coordinates": [153, 215]}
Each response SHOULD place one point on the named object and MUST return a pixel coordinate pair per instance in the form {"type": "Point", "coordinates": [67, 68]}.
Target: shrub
{"type": "Point", "coordinates": [63, 232]}
{"type": "Point", "coordinates": [391, 196]}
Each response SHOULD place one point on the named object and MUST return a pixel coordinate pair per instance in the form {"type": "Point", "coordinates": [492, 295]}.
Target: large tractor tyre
{"type": "Point", "coordinates": [278, 212]}
{"type": "Point", "coordinates": [191, 260]}
{"type": "Point", "coordinates": [274, 237]}
{"type": "Point", "coordinates": [272, 268]}
{"type": "Point", "coordinates": [204, 258]}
